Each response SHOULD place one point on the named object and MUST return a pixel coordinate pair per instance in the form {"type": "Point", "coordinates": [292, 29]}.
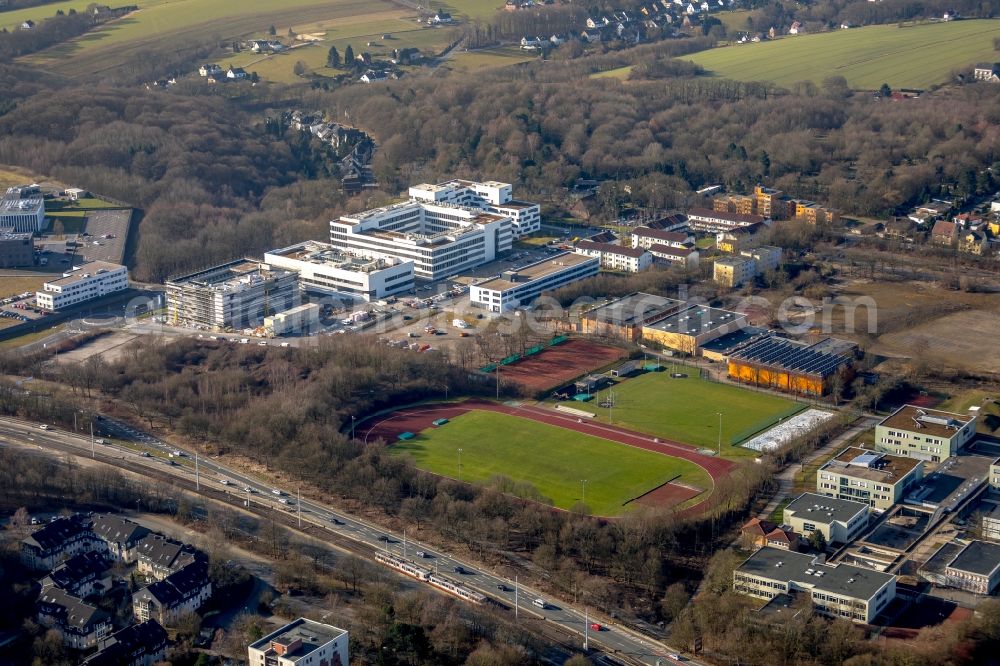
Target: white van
{"type": "Point", "coordinates": [540, 603]}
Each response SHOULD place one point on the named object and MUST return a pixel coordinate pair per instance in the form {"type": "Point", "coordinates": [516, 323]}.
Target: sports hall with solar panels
{"type": "Point", "coordinates": [795, 367]}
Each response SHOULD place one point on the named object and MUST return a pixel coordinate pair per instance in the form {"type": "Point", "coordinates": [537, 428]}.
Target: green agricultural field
{"type": "Point", "coordinates": [686, 409]}
{"type": "Point", "coordinates": [552, 459]}
{"type": "Point", "coordinates": [914, 56]}
{"type": "Point", "coordinates": [160, 25]}
{"type": "Point", "coordinates": [616, 73]}
{"type": "Point", "coordinates": [473, 9]}
{"type": "Point", "coordinates": [471, 61]}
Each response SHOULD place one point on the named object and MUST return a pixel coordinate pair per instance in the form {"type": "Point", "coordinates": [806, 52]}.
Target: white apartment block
{"type": "Point", "coordinates": [513, 289]}
{"type": "Point", "coordinates": [923, 433]}
{"type": "Point", "coordinates": [838, 520]}
{"type": "Point", "coordinates": [615, 257]}
{"type": "Point", "coordinates": [490, 196]}
{"type": "Point", "coordinates": [835, 590]}
{"type": "Point", "coordinates": [441, 239]}
{"type": "Point", "coordinates": [301, 643]}
{"type": "Point", "coordinates": [325, 268]}
{"type": "Point", "coordinates": [83, 283]}
{"type": "Point", "coordinates": [23, 208]}
{"type": "Point", "coordinates": [646, 237]}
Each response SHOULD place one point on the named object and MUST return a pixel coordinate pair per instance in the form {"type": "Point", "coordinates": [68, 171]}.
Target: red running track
{"type": "Point", "coordinates": [416, 419]}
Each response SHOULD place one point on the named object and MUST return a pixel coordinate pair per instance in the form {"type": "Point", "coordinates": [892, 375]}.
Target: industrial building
{"type": "Point", "coordinates": [513, 289]}
{"type": "Point", "coordinates": [836, 590]}
{"type": "Point", "coordinates": [690, 326]}
{"type": "Point", "coordinates": [83, 283]}
{"type": "Point", "coordinates": [23, 209]}
{"type": "Point", "coordinates": [623, 319]}
{"type": "Point", "coordinates": [838, 520]}
{"type": "Point", "coordinates": [441, 239]}
{"type": "Point", "coordinates": [795, 367]}
{"type": "Point", "coordinates": [871, 477]}
{"type": "Point", "coordinates": [301, 643]}
{"type": "Point", "coordinates": [234, 295]}
{"type": "Point", "coordinates": [324, 268]}
{"type": "Point", "coordinates": [16, 249]}
{"type": "Point", "coordinates": [491, 197]}
{"type": "Point", "coordinates": [923, 433]}
{"type": "Point", "coordinates": [300, 320]}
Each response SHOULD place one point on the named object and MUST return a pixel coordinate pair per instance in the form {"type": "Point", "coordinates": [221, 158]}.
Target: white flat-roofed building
{"type": "Point", "coordinates": [83, 283]}
{"type": "Point", "coordinates": [871, 477]}
{"type": "Point", "coordinates": [325, 268]}
{"type": "Point", "coordinates": [838, 520]}
{"type": "Point", "coordinates": [441, 239]}
{"type": "Point", "coordinates": [302, 319]}
{"type": "Point", "coordinates": [836, 590]}
{"type": "Point", "coordinates": [301, 643]}
{"type": "Point", "coordinates": [976, 568]}
{"type": "Point", "coordinates": [615, 257]}
{"type": "Point", "coordinates": [714, 221]}
{"type": "Point", "coordinates": [235, 295]}
{"type": "Point", "coordinates": [489, 196]}
{"type": "Point", "coordinates": [513, 289]}
{"type": "Point", "coordinates": [24, 212]}
{"type": "Point", "coordinates": [687, 257]}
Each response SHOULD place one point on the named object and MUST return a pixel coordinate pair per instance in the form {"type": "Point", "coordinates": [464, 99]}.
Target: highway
{"type": "Point", "coordinates": [616, 641]}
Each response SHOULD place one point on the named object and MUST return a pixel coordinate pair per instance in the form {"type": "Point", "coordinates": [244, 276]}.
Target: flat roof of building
{"type": "Point", "coordinates": [536, 271]}
{"type": "Point", "coordinates": [695, 320]}
{"type": "Point", "coordinates": [661, 234]}
{"type": "Point", "coordinates": [27, 205]}
{"type": "Point", "coordinates": [236, 275]}
{"type": "Point", "coordinates": [738, 218]}
{"type": "Point", "coordinates": [871, 465]}
{"type": "Point", "coordinates": [978, 557]}
{"type": "Point", "coordinates": [517, 204]}
{"type": "Point", "coordinates": [825, 509]}
{"type": "Point", "coordinates": [611, 248]}
{"type": "Point", "coordinates": [313, 635]}
{"type": "Point", "coordinates": [733, 261]}
{"type": "Point", "coordinates": [730, 342]}
{"type": "Point", "coordinates": [632, 309]}
{"type": "Point", "coordinates": [808, 571]}
{"type": "Point", "coordinates": [928, 421]}
{"type": "Point", "coordinates": [669, 249]}
{"type": "Point", "coordinates": [325, 254]}
{"type": "Point", "coordinates": [790, 355]}
{"type": "Point", "coordinates": [8, 235]}
{"type": "Point", "coordinates": [82, 272]}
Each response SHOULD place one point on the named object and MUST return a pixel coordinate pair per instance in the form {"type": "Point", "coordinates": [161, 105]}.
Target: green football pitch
{"type": "Point", "coordinates": [554, 460]}
{"type": "Point", "coordinates": [687, 409]}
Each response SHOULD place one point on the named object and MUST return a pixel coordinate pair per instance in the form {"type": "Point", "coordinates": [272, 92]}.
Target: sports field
{"type": "Point", "coordinates": [913, 56]}
{"type": "Point", "coordinates": [686, 409]}
{"type": "Point", "coordinates": [555, 460]}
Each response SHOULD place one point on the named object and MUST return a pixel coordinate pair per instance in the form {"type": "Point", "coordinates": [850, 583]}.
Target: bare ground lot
{"type": "Point", "coordinates": [109, 347]}
{"type": "Point", "coordinates": [953, 339]}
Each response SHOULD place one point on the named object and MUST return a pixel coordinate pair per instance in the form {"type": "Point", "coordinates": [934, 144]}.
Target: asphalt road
{"type": "Point", "coordinates": [615, 640]}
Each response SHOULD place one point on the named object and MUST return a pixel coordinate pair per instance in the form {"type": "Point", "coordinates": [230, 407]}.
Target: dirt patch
{"type": "Point", "coordinates": [954, 340]}
{"type": "Point", "coordinates": [560, 364]}
{"type": "Point", "coordinates": [107, 346]}
{"type": "Point", "coordinates": [668, 495]}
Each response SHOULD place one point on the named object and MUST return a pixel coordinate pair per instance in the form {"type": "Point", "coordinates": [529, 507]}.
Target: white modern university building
{"type": "Point", "coordinates": [513, 289]}
{"type": "Point", "coordinates": [836, 590]}
{"type": "Point", "coordinates": [301, 643]}
{"type": "Point", "coordinates": [83, 283]}
{"type": "Point", "coordinates": [491, 197]}
{"type": "Point", "coordinates": [441, 239]}
{"type": "Point", "coordinates": [325, 268]}
{"type": "Point", "coordinates": [23, 208]}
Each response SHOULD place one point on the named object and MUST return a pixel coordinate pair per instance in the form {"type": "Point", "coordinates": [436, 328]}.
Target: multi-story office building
{"type": "Point", "coordinates": [235, 295]}
{"type": "Point", "coordinates": [323, 267]}
{"type": "Point", "coordinates": [838, 520]}
{"type": "Point", "coordinates": [23, 209]}
{"type": "Point", "coordinates": [873, 478]}
{"type": "Point", "coordinates": [301, 643]}
{"type": "Point", "coordinates": [512, 289]}
{"type": "Point", "coordinates": [441, 239]}
{"type": "Point", "coordinates": [923, 433]}
{"type": "Point", "coordinates": [491, 197]}
{"type": "Point", "coordinates": [836, 590]}
{"type": "Point", "coordinates": [733, 271]}
{"type": "Point", "coordinates": [16, 249]}
{"type": "Point", "coordinates": [615, 257]}
{"type": "Point", "coordinates": [83, 283]}
{"type": "Point", "coordinates": [976, 568]}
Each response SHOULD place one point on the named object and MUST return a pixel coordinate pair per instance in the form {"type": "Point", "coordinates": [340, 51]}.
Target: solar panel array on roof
{"type": "Point", "coordinates": [791, 356]}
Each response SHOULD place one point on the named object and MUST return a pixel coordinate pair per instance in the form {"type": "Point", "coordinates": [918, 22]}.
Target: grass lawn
{"type": "Point", "coordinates": [10, 176]}
{"type": "Point", "coordinates": [168, 25]}
{"type": "Point", "coordinates": [534, 242]}
{"type": "Point", "coordinates": [553, 459]}
{"type": "Point", "coordinates": [11, 285]}
{"type": "Point", "coordinates": [473, 9]}
{"type": "Point", "coordinates": [686, 409]}
{"type": "Point", "coordinates": [914, 56]}
{"type": "Point", "coordinates": [28, 338]}
{"type": "Point", "coordinates": [989, 412]}
{"type": "Point", "coordinates": [470, 61]}
{"type": "Point", "coordinates": [616, 73]}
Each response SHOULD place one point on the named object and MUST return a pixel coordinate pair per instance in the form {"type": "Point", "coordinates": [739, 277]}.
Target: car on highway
{"type": "Point", "coordinates": [459, 570]}
{"type": "Point", "coordinates": [248, 489]}
{"type": "Point", "coordinates": [421, 554]}
{"type": "Point", "coordinates": [285, 501]}
{"type": "Point", "coordinates": [675, 656]}
{"type": "Point", "coordinates": [336, 521]}
{"type": "Point", "coordinates": [502, 587]}
{"type": "Point", "coordinates": [596, 626]}
{"type": "Point", "coordinates": [101, 440]}
{"type": "Point", "coordinates": [275, 491]}
{"type": "Point", "coordinates": [144, 454]}
{"type": "Point", "coordinates": [541, 603]}
{"type": "Point", "coordinates": [44, 427]}
{"type": "Point", "coordinates": [224, 482]}
{"type": "Point", "coordinates": [382, 537]}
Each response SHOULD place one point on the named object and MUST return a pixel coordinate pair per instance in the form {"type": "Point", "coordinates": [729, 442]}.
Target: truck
{"type": "Point", "coordinates": [460, 323]}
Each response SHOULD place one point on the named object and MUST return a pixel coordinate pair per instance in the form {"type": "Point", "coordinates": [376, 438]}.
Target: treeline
{"type": "Point", "coordinates": [537, 22]}
{"type": "Point", "coordinates": [292, 410]}
{"type": "Point", "coordinates": [44, 34]}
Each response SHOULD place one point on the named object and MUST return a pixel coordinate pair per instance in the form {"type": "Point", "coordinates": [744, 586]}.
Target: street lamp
{"type": "Point", "coordinates": [583, 482]}
{"type": "Point", "coordinates": [352, 426]}
{"type": "Point", "coordinates": [460, 464]}
{"type": "Point", "coordinates": [720, 432]}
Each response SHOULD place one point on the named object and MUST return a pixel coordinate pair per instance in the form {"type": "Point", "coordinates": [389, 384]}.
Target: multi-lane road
{"type": "Point", "coordinates": [146, 452]}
